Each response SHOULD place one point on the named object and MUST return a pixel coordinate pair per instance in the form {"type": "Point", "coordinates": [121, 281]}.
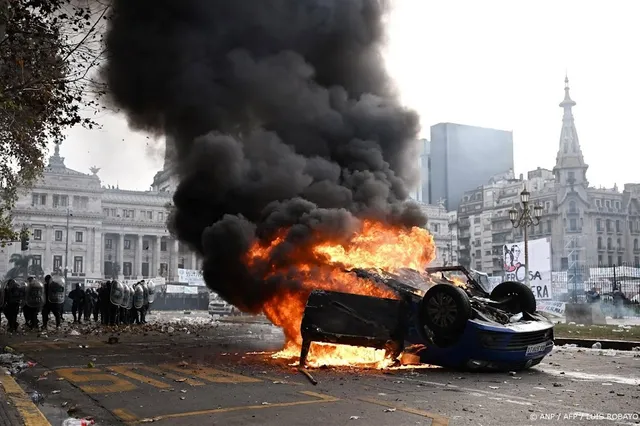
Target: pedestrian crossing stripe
{"type": "Point", "coordinates": [114, 379]}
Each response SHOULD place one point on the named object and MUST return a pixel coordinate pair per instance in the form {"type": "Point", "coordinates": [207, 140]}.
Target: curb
{"type": "Point", "coordinates": [28, 411]}
{"type": "Point", "coordinates": [619, 345]}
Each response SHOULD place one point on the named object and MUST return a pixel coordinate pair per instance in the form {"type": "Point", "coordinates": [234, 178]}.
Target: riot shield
{"type": "Point", "coordinates": [126, 295]}
{"type": "Point", "coordinates": [56, 290]}
{"type": "Point", "coordinates": [3, 285]}
{"type": "Point", "coordinates": [151, 290]}
{"type": "Point", "coordinates": [21, 292]}
{"type": "Point", "coordinates": [138, 296]}
{"type": "Point", "coordinates": [130, 298]}
{"type": "Point", "coordinates": [117, 293]}
{"type": "Point", "coordinates": [35, 297]}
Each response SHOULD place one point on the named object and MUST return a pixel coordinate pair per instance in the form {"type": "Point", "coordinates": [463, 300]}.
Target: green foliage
{"type": "Point", "coordinates": [22, 267]}
{"type": "Point", "coordinates": [47, 51]}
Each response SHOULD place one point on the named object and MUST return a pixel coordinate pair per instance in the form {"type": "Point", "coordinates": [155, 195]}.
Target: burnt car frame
{"type": "Point", "coordinates": [460, 324]}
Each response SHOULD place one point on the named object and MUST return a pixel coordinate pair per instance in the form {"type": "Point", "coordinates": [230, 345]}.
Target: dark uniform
{"type": "Point", "coordinates": [88, 305]}
{"type": "Point", "coordinates": [13, 298]}
{"type": "Point", "coordinates": [78, 299]}
{"type": "Point", "coordinates": [96, 305]}
{"type": "Point", "coordinates": [54, 300]}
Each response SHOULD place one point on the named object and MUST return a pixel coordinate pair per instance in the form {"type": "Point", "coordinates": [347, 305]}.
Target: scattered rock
{"type": "Point", "coordinates": [557, 385]}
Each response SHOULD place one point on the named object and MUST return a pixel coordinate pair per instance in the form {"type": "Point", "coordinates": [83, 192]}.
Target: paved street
{"type": "Point", "coordinates": [218, 373]}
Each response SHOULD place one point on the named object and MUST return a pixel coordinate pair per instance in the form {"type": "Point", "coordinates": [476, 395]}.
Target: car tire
{"type": "Point", "coordinates": [522, 296]}
{"type": "Point", "coordinates": [445, 310]}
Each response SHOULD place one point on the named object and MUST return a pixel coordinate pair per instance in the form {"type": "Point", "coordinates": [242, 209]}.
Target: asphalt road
{"type": "Point", "coordinates": [221, 373]}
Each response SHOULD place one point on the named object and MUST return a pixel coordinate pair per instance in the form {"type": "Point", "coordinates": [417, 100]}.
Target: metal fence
{"type": "Point", "coordinates": [571, 285]}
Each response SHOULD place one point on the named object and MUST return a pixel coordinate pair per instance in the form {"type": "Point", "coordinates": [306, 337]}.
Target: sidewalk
{"type": "Point", "coordinates": [16, 408]}
{"type": "Point", "coordinates": [9, 414]}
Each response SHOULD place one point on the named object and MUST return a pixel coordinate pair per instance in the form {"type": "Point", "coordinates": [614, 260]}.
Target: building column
{"type": "Point", "coordinates": [194, 261]}
{"type": "Point", "coordinates": [175, 252]}
{"type": "Point", "coordinates": [98, 251]}
{"type": "Point", "coordinates": [47, 262]}
{"type": "Point", "coordinates": [101, 258]}
{"type": "Point", "coordinates": [156, 258]}
{"type": "Point", "coordinates": [121, 256]}
{"type": "Point", "coordinates": [138, 265]}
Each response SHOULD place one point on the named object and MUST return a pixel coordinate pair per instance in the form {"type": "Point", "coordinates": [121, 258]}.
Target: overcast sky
{"type": "Point", "coordinates": [490, 63]}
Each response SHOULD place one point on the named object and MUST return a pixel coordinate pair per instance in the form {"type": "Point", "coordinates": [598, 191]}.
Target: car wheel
{"type": "Point", "coordinates": [445, 310]}
{"type": "Point", "coordinates": [518, 297]}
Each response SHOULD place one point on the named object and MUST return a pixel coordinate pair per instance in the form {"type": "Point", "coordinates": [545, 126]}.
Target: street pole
{"type": "Point", "coordinates": [524, 220]}
{"type": "Point", "coordinates": [526, 253]}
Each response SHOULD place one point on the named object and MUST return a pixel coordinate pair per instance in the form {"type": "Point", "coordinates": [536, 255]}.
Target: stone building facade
{"type": "Point", "coordinates": [94, 231]}
{"type": "Point", "coordinates": [443, 227]}
{"type": "Point", "coordinates": [587, 226]}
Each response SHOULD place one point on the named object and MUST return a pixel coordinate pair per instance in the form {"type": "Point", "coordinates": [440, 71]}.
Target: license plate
{"type": "Point", "coordinates": [534, 349]}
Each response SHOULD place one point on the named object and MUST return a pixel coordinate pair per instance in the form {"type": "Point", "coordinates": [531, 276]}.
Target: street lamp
{"type": "Point", "coordinates": [528, 217]}
{"type": "Point", "coordinates": [66, 248]}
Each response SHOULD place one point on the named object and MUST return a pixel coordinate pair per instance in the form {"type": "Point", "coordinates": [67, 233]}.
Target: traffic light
{"type": "Point", "coordinates": [24, 242]}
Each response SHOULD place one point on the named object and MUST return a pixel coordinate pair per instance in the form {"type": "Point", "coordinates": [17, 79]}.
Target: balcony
{"type": "Point", "coordinates": [599, 230]}
{"type": "Point", "coordinates": [620, 249]}
{"type": "Point", "coordinates": [600, 248]}
{"type": "Point", "coordinates": [610, 248]}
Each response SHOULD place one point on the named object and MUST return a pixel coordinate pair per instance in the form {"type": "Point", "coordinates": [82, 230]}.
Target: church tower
{"type": "Point", "coordinates": [570, 169]}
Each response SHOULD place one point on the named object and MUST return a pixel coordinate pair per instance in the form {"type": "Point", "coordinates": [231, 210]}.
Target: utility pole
{"type": "Point", "coordinates": [528, 217]}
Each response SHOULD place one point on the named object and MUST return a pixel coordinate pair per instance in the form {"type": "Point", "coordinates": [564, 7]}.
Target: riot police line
{"type": "Point", "coordinates": [115, 302]}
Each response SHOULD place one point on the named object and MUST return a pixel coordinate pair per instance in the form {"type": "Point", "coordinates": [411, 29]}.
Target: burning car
{"type": "Point", "coordinates": [447, 316]}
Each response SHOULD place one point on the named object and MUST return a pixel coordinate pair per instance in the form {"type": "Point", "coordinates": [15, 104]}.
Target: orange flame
{"type": "Point", "coordinates": [375, 246]}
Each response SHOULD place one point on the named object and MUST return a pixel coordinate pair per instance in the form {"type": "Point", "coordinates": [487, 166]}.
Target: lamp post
{"type": "Point", "coordinates": [527, 217]}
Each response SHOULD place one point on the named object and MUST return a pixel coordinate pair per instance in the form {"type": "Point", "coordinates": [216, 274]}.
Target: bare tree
{"type": "Point", "coordinates": [48, 50]}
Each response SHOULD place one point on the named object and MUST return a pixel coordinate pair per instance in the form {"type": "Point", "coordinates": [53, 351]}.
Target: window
{"type": "Point", "coordinates": [609, 244]}
{"type": "Point", "coordinates": [636, 261]}
{"type": "Point", "coordinates": [57, 263]}
{"type": "Point", "coordinates": [572, 207]}
{"type": "Point", "coordinates": [549, 226]}
{"type": "Point", "coordinates": [129, 214]}
{"type": "Point", "coordinates": [598, 203]}
{"type": "Point", "coordinates": [487, 253]}
{"type": "Point", "coordinates": [60, 200]}
{"type": "Point", "coordinates": [79, 237]}
{"type": "Point", "coordinates": [630, 226]}
{"type": "Point", "coordinates": [114, 212]}
{"type": "Point", "coordinates": [164, 268]}
{"type": "Point", "coordinates": [478, 253]}
{"type": "Point", "coordinates": [599, 260]}
{"type": "Point", "coordinates": [39, 200]}
{"type": "Point", "coordinates": [108, 243]}
{"type": "Point", "coordinates": [37, 234]}
{"type": "Point", "coordinates": [573, 225]}
{"type": "Point", "coordinates": [58, 235]}
{"type": "Point", "coordinates": [598, 224]}
{"type": "Point", "coordinates": [608, 225]}
{"type": "Point", "coordinates": [160, 216]}
{"type": "Point", "coordinates": [127, 246]}
{"type": "Point", "coordinates": [635, 244]}
{"type": "Point", "coordinates": [105, 212]}
{"type": "Point", "coordinates": [478, 266]}
{"type": "Point", "coordinates": [571, 176]}
{"type": "Point", "coordinates": [599, 242]}
{"type": "Point", "coordinates": [435, 227]}
{"type": "Point", "coordinates": [619, 260]}
{"type": "Point", "coordinates": [126, 269]}
{"type": "Point", "coordinates": [607, 203]}
{"type": "Point", "coordinates": [618, 227]}
{"type": "Point", "coordinates": [36, 260]}
{"type": "Point", "coordinates": [610, 259]}
{"type": "Point", "coordinates": [80, 202]}
{"type": "Point", "coordinates": [618, 205]}
{"type": "Point", "coordinates": [163, 245]}
{"type": "Point", "coordinates": [476, 220]}
{"type": "Point", "coordinates": [145, 244]}
{"type": "Point", "coordinates": [150, 215]}
{"type": "Point", "coordinates": [77, 264]}
{"type": "Point", "coordinates": [619, 241]}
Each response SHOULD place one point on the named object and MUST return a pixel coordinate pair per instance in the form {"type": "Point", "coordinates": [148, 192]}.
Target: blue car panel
{"type": "Point", "coordinates": [486, 345]}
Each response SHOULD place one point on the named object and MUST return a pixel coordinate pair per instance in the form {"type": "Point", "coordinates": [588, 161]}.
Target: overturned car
{"type": "Point", "coordinates": [447, 316]}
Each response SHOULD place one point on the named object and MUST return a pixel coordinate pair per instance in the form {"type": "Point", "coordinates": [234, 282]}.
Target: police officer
{"type": "Point", "coordinates": [13, 299]}
{"type": "Point", "coordinates": [54, 293]}
{"type": "Point", "coordinates": [87, 307]}
{"type": "Point", "coordinates": [35, 300]}
{"type": "Point", "coordinates": [103, 301]}
{"type": "Point", "coordinates": [77, 297]}
{"type": "Point", "coordinates": [96, 306]}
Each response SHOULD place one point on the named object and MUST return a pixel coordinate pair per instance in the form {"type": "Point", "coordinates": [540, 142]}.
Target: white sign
{"type": "Point", "coordinates": [551, 307]}
{"type": "Point", "coordinates": [539, 266]}
{"type": "Point", "coordinates": [190, 290]}
{"type": "Point", "coordinates": [92, 282]}
{"type": "Point", "coordinates": [191, 277]}
{"type": "Point", "coordinates": [158, 281]}
{"type": "Point", "coordinates": [175, 288]}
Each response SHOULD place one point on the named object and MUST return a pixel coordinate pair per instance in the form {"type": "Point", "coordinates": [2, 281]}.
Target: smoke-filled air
{"type": "Point", "coordinates": [293, 153]}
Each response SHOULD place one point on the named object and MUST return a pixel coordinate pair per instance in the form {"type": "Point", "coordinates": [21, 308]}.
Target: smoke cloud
{"type": "Point", "coordinates": [281, 115]}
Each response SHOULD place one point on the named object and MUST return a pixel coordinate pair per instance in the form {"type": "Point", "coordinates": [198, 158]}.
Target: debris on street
{"type": "Point", "coordinates": [309, 376]}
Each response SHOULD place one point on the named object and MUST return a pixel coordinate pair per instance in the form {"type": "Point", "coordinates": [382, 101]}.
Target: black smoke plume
{"type": "Point", "coordinates": [281, 116]}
